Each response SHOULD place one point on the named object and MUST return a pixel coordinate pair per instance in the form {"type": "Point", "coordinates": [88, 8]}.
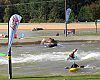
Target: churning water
{"type": "Point", "coordinates": [37, 59]}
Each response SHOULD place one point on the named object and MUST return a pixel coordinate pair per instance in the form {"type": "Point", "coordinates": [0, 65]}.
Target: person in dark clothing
{"type": "Point", "coordinates": [57, 34]}
{"type": "Point", "coordinates": [74, 65]}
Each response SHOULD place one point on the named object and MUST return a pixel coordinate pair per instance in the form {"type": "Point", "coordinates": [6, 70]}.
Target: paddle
{"type": "Point", "coordinates": [72, 55]}
{"type": "Point", "coordinates": [3, 54]}
{"type": "Point", "coordinates": [79, 66]}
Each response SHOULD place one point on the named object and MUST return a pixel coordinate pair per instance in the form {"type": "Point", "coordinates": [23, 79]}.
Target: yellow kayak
{"type": "Point", "coordinates": [74, 69]}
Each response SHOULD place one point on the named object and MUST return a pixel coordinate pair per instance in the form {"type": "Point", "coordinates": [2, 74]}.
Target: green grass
{"type": "Point", "coordinates": [3, 77]}
{"type": "Point", "coordinates": [68, 77]}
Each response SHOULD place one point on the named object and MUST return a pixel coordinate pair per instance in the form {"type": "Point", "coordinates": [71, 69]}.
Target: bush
{"type": "Point", "coordinates": [85, 14]}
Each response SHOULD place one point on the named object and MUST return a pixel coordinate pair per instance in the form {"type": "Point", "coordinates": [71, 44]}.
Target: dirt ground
{"type": "Point", "coordinates": [30, 26]}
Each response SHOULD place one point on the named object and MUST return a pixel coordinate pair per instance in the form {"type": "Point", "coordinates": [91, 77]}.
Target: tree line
{"type": "Point", "coordinates": [50, 10]}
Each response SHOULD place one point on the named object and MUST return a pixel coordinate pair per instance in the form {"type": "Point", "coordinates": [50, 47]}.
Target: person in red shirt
{"type": "Point", "coordinates": [72, 55]}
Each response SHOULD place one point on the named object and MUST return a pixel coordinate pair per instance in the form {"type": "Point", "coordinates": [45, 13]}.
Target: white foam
{"type": "Point", "coordinates": [95, 55]}
{"type": "Point", "coordinates": [48, 56]}
{"type": "Point", "coordinates": [3, 60]}
{"type": "Point", "coordinates": [55, 56]}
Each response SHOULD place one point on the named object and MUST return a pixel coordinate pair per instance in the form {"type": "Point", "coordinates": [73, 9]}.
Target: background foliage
{"type": "Point", "coordinates": [50, 10]}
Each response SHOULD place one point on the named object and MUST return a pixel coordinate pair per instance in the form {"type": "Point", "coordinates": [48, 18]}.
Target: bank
{"type": "Point", "coordinates": [59, 77]}
{"type": "Point", "coordinates": [37, 40]}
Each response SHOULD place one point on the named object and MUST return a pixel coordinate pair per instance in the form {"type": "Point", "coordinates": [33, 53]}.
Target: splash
{"type": "Point", "coordinates": [49, 56]}
{"type": "Point", "coordinates": [92, 55]}
{"type": "Point", "coordinates": [55, 56]}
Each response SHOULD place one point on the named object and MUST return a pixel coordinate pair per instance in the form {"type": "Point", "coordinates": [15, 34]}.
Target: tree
{"type": "Point", "coordinates": [72, 17]}
{"type": "Point", "coordinates": [23, 10]}
{"type": "Point", "coordinates": [7, 11]}
{"type": "Point", "coordinates": [1, 11]}
{"type": "Point", "coordinates": [55, 12]}
{"type": "Point", "coordinates": [48, 10]}
{"type": "Point", "coordinates": [85, 14]}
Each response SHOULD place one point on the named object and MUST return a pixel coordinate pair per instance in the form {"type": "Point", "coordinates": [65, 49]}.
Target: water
{"type": "Point", "coordinates": [39, 60]}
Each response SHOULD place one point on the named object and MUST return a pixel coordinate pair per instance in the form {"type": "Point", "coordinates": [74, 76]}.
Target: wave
{"type": "Point", "coordinates": [48, 56]}
{"type": "Point", "coordinates": [55, 56]}
{"type": "Point", "coordinates": [92, 55]}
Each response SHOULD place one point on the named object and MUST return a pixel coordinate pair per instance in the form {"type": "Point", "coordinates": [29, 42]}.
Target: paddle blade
{"type": "Point", "coordinates": [82, 66]}
{"type": "Point", "coordinates": [3, 54]}
{"type": "Point", "coordinates": [66, 67]}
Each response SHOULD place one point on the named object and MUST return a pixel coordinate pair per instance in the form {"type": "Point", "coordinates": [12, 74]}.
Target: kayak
{"type": "Point", "coordinates": [74, 69]}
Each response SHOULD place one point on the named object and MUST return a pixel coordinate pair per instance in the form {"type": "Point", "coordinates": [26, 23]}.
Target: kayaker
{"type": "Point", "coordinates": [72, 56]}
{"type": "Point", "coordinates": [74, 65]}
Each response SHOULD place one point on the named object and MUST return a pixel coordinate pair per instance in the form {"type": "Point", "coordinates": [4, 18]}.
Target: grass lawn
{"type": "Point", "coordinates": [68, 77]}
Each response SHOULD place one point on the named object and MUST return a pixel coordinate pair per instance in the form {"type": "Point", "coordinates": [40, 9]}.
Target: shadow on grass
{"type": "Point", "coordinates": [29, 77]}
